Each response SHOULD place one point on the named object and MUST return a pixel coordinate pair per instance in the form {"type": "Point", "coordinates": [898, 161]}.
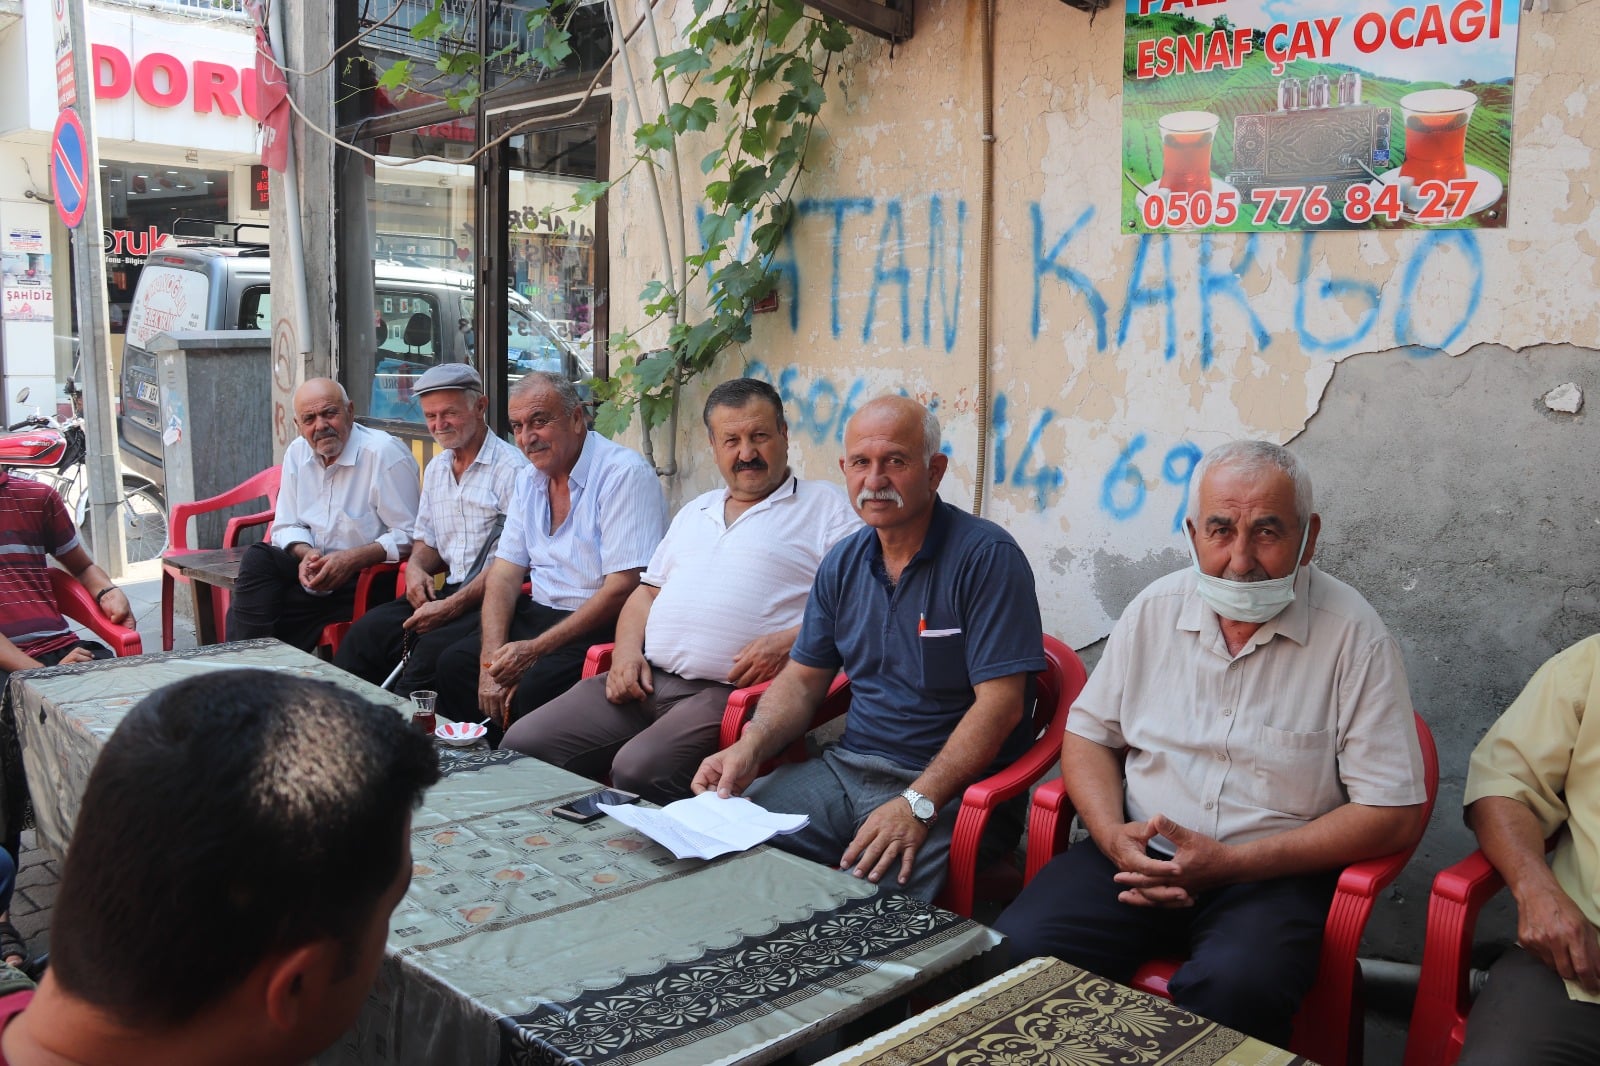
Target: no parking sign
{"type": "Point", "coordinates": [69, 168]}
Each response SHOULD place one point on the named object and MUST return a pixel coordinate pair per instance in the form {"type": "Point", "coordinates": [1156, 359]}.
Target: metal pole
{"type": "Point", "coordinates": [103, 464]}
{"type": "Point", "coordinates": [291, 204]}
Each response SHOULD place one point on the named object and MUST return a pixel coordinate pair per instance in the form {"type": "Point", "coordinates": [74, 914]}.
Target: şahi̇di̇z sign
{"type": "Point", "coordinates": [1264, 115]}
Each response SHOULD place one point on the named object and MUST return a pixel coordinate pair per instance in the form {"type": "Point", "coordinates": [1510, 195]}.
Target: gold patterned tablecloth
{"type": "Point", "coordinates": [1048, 1013]}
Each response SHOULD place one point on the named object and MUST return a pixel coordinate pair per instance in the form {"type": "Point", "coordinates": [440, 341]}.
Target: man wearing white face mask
{"type": "Point", "coordinates": [1247, 733]}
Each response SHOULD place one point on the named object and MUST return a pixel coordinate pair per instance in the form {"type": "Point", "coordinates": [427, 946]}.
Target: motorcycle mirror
{"type": "Point", "coordinates": [22, 395]}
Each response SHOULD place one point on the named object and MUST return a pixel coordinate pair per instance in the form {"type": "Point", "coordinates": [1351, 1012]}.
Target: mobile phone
{"type": "Point", "coordinates": [587, 809]}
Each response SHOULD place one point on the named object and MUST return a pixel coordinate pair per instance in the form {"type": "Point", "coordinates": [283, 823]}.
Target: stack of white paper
{"type": "Point", "coordinates": [707, 825]}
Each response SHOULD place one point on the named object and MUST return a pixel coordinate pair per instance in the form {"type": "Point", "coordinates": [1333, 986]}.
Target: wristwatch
{"type": "Point", "coordinates": [922, 808]}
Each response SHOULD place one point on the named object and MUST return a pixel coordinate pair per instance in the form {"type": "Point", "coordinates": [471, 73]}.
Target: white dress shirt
{"type": "Point", "coordinates": [456, 516]}
{"type": "Point", "coordinates": [368, 495]}
{"type": "Point", "coordinates": [722, 585]}
{"type": "Point", "coordinates": [1312, 713]}
{"type": "Point", "coordinates": [616, 519]}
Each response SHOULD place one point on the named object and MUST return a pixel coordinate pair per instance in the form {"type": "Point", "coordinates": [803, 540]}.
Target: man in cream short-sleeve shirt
{"type": "Point", "coordinates": [1529, 780]}
{"type": "Point", "coordinates": [1247, 733]}
{"type": "Point", "coordinates": [718, 608]}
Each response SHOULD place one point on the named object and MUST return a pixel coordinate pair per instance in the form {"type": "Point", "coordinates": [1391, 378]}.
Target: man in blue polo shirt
{"type": "Point", "coordinates": [932, 614]}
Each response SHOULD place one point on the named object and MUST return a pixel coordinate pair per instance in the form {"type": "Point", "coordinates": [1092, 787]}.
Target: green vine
{"type": "Point", "coordinates": [749, 83]}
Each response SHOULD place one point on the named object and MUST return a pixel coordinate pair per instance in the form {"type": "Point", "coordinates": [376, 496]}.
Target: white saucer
{"type": "Point", "coordinates": [1489, 189]}
{"type": "Point", "coordinates": [460, 734]}
{"type": "Point", "coordinates": [1154, 189]}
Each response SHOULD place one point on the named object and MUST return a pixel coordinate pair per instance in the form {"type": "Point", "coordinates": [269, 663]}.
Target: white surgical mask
{"type": "Point", "coordinates": [1248, 601]}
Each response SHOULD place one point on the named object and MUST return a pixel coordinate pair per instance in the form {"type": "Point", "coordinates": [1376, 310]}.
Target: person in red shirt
{"type": "Point", "coordinates": [35, 527]}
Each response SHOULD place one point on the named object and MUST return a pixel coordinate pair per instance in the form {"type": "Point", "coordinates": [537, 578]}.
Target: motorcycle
{"type": "Point", "coordinates": [45, 449]}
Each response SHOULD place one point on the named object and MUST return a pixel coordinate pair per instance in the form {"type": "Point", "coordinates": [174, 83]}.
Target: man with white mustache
{"type": "Point", "coordinates": [1247, 733]}
{"type": "Point", "coordinates": [583, 522]}
{"type": "Point", "coordinates": [932, 614]}
{"type": "Point", "coordinates": [348, 500]}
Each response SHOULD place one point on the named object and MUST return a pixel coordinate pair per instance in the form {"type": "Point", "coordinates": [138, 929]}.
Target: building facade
{"type": "Point", "coordinates": [1415, 369]}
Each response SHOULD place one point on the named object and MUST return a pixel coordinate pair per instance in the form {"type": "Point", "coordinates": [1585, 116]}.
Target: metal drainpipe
{"type": "Point", "coordinates": [655, 196]}
{"type": "Point", "coordinates": [291, 205]}
{"type": "Point", "coordinates": [985, 264]}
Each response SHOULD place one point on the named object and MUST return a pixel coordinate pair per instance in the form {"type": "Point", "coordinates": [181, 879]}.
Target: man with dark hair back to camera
{"type": "Point", "coordinates": [242, 842]}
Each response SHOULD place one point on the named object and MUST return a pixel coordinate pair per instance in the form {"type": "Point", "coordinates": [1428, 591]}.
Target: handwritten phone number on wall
{"type": "Point", "coordinates": [1436, 201]}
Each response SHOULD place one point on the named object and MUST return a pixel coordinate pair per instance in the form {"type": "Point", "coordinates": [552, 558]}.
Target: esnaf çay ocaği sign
{"type": "Point", "coordinates": [1271, 115]}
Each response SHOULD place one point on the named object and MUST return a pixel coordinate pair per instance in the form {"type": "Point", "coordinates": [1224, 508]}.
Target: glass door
{"type": "Point", "coordinates": [549, 278]}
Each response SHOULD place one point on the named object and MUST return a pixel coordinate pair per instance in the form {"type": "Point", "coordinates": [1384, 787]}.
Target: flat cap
{"type": "Point", "coordinates": [448, 376]}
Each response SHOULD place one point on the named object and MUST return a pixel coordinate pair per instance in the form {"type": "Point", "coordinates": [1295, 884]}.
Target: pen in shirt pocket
{"type": "Point", "coordinates": [922, 624]}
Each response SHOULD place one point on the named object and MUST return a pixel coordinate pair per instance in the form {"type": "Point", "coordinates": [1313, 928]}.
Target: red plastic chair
{"type": "Point", "coordinates": [1055, 689]}
{"type": "Point", "coordinates": [1439, 1019]}
{"type": "Point", "coordinates": [742, 705]}
{"type": "Point", "coordinates": [264, 484]}
{"type": "Point", "coordinates": [75, 602]}
{"type": "Point", "coordinates": [1330, 1024]}
{"type": "Point", "coordinates": [334, 632]}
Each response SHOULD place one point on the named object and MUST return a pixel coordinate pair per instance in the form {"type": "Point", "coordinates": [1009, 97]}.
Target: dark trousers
{"type": "Point", "coordinates": [456, 676]}
{"type": "Point", "coordinates": [268, 601]}
{"type": "Point", "coordinates": [1523, 1016]}
{"type": "Point", "coordinates": [13, 782]}
{"type": "Point", "coordinates": [1252, 948]}
{"type": "Point", "coordinates": [377, 640]}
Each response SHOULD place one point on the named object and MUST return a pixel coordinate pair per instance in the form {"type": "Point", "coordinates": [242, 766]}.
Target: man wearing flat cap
{"type": "Point", "coordinates": [466, 490]}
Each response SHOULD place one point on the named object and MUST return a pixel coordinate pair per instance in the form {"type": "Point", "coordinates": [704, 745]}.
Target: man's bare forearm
{"type": "Point", "coordinates": [976, 741]}
{"type": "Point", "coordinates": [502, 586]}
{"type": "Point", "coordinates": [599, 609]}
{"type": "Point", "coordinates": [634, 616]}
{"type": "Point", "coordinates": [786, 709]}
{"type": "Point", "coordinates": [1344, 835]}
{"type": "Point", "coordinates": [1511, 839]}
{"type": "Point", "coordinates": [1093, 773]}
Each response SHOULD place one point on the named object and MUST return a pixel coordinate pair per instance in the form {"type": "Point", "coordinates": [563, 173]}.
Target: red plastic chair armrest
{"type": "Point", "coordinates": [75, 602]}
{"type": "Point", "coordinates": [1443, 998]}
{"type": "Point", "coordinates": [364, 584]}
{"type": "Point", "coordinates": [239, 523]}
{"type": "Point", "coordinates": [1049, 824]}
{"type": "Point", "coordinates": [598, 661]}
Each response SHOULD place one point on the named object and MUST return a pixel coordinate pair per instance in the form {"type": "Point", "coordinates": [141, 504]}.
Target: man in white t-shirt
{"type": "Point", "coordinates": [717, 609]}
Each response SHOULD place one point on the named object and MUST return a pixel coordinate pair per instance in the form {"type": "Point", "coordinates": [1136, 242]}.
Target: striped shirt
{"type": "Point", "coordinates": [618, 516]}
{"type": "Point", "coordinates": [34, 524]}
{"type": "Point", "coordinates": [455, 517]}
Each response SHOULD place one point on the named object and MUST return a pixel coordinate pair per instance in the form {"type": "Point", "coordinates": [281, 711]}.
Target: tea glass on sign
{"type": "Point", "coordinates": [1186, 138]}
{"type": "Point", "coordinates": [1436, 123]}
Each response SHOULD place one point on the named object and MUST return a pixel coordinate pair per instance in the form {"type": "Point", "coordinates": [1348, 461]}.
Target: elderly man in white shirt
{"type": "Point", "coordinates": [718, 608]}
{"type": "Point", "coordinates": [466, 492]}
{"type": "Point", "coordinates": [1246, 735]}
{"type": "Point", "coordinates": [583, 522]}
{"type": "Point", "coordinates": [348, 500]}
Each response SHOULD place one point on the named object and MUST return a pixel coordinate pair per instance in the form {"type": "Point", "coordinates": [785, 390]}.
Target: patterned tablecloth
{"type": "Point", "coordinates": [1048, 1013]}
{"type": "Point", "coordinates": [528, 939]}
{"type": "Point", "coordinates": [63, 715]}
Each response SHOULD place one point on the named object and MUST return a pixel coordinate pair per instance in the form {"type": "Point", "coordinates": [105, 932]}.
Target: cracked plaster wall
{"type": "Point", "coordinates": [1457, 504]}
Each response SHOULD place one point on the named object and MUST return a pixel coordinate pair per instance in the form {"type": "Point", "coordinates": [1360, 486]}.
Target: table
{"type": "Point", "coordinates": [527, 939]}
{"type": "Point", "coordinates": [207, 571]}
{"type": "Point", "coordinates": [1049, 1012]}
{"type": "Point", "coordinates": [63, 715]}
